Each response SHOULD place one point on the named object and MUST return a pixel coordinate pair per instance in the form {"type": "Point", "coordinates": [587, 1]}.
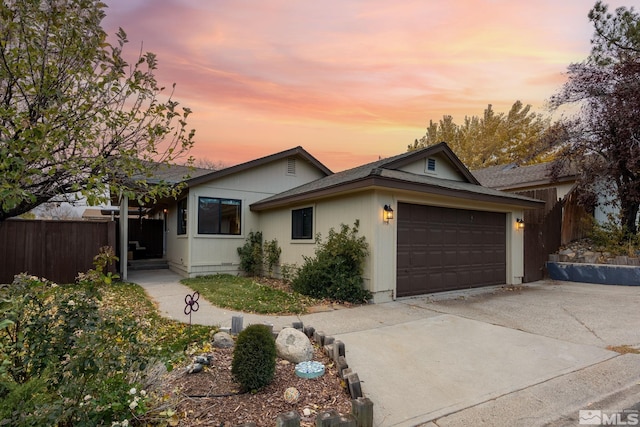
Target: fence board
{"type": "Point", "coordinates": [541, 233]}
{"type": "Point", "coordinates": [57, 250]}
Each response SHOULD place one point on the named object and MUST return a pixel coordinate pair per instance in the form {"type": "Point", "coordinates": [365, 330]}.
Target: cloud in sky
{"type": "Point", "coordinates": [349, 80]}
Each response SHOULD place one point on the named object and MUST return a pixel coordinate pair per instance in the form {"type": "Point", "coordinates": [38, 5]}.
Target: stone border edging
{"type": "Point", "coordinates": [361, 407]}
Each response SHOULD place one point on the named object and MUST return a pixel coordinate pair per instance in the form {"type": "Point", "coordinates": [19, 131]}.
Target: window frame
{"type": "Point", "coordinates": [182, 217]}
{"type": "Point", "coordinates": [202, 227]}
{"type": "Point", "coordinates": [298, 224]}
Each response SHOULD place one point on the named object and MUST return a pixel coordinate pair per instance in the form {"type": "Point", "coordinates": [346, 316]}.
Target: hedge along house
{"type": "Point", "coordinates": [429, 224]}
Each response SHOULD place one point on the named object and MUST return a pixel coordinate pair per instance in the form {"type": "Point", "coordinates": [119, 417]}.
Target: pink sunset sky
{"type": "Point", "coordinates": [349, 80]}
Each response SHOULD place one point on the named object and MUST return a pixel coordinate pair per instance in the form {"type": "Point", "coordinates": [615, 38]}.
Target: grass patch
{"type": "Point", "coordinates": [166, 339]}
{"type": "Point", "coordinates": [246, 294]}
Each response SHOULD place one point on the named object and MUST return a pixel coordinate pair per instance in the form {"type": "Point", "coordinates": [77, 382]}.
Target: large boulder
{"type": "Point", "coordinates": [293, 345]}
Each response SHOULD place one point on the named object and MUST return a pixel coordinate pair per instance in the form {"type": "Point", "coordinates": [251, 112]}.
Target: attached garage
{"type": "Point", "coordinates": [441, 249]}
{"type": "Point", "coordinates": [429, 224]}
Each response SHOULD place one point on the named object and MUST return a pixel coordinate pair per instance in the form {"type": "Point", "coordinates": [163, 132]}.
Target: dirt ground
{"type": "Point", "coordinates": [211, 397]}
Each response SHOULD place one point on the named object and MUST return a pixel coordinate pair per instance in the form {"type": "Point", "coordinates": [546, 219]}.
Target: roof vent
{"type": "Point", "coordinates": [291, 166]}
{"type": "Point", "coordinates": [431, 165]}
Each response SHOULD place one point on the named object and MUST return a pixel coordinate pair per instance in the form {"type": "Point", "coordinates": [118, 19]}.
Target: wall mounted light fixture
{"type": "Point", "coordinates": [520, 224]}
{"type": "Point", "coordinates": [387, 214]}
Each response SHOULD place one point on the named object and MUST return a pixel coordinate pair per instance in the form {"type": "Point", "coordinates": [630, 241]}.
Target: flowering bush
{"type": "Point", "coordinates": [78, 354]}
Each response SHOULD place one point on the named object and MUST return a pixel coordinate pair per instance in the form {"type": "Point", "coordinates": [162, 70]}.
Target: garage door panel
{"type": "Point", "coordinates": [449, 249]}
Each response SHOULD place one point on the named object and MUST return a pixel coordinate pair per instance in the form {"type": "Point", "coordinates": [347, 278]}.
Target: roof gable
{"type": "Point", "coordinates": [297, 152]}
{"type": "Point", "coordinates": [390, 173]}
{"type": "Point", "coordinates": [441, 151]}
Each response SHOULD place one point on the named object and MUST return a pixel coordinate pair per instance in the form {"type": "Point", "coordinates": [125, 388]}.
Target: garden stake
{"type": "Point", "coordinates": [192, 305]}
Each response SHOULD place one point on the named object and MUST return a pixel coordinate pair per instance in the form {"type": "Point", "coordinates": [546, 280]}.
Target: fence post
{"type": "Point", "coordinates": [288, 419]}
{"type": "Point", "coordinates": [236, 324]}
{"type": "Point", "coordinates": [362, 410]}
{"type": "Point", "coordinates": [328, 418]}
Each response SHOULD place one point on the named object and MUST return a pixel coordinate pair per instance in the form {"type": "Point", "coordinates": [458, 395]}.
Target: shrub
{"type": "Point", "coordinates": [76, 361]}
{"type": "Point", "coordinates": [254, 357]}
{"type": "Point", "coordinates": [251, 254]}
{"type": "Point", "coordinates": [271, 255]}
{"type": "Point", "coordinates": [254, 255]}
{"type": "Point", "coordinates": [336, 270]}
{"type": "Point", "coordinates": [614, 238]}
{"type": "Point", "coordinates": [99, 274]}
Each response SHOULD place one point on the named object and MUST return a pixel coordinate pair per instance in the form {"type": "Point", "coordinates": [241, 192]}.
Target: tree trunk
{"type": "Point", "coordinates": [629, 213]}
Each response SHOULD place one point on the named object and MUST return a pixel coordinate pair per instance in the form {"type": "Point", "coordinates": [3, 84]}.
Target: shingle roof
{"type": "Point", "coordinates": [384, 173]}
{"type": "Point", "coordinates": [507, 177]}
{"type": "Point", "coordinates": [174, 174]}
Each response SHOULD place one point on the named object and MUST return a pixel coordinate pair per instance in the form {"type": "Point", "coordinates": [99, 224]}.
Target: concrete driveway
{"type": "Point", "coordinates": [512, 356]}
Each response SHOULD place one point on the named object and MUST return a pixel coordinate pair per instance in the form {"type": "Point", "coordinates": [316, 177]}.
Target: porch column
{"type": "Point", "coordinates": [124, 236]}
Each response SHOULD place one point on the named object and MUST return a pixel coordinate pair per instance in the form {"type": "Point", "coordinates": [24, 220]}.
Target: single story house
{"type": "Point", "coordinates": [429, 223]}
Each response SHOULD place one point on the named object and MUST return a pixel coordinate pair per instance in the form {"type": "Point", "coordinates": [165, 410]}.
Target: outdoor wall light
{"type": "Point", "coordinates": [387, 213]}
{"type": "Point", "coordinates": [520, 224]}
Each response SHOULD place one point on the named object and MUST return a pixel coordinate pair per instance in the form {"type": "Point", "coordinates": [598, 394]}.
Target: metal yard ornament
{"type": "Point", "coordinates": [192, 305]}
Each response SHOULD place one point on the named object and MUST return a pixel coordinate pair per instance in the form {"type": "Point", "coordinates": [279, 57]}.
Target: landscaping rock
{"type": "Point", "coordinates": [194, 368]}
{"type": "Point", "coordinates": [293, 345]}
{"type": "Point", "coordinates": [223, 340]}
{"type": "Point", "coordinates": [203, 360]}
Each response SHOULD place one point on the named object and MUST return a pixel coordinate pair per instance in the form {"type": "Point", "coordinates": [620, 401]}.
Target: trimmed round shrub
{"type": "Point", "coordinates": [254, 357]}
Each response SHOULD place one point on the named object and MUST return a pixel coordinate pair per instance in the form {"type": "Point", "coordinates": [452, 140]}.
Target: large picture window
{"type": "Point", "coordinates": [182, 216]}
{"type": "Point", "coordinates": [302, 223]}
{"type": "Point", "coordinates": [218, 216]}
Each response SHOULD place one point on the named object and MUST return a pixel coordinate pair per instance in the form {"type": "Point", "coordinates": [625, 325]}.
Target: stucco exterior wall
{"type": "Point", "coordinates": [196, 254]}
{"type": "Point", "coordinates": [443, 168]}
{"type": "Point", "coordinates": [380, 270]}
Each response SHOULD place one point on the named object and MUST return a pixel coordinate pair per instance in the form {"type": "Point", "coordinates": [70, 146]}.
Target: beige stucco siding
{"type": "Point", "coordinates": [443, 168]}
{"type": "Point", "coordinates": [196, 254]}
{"type": "Point", "coordinates": [380, 270]}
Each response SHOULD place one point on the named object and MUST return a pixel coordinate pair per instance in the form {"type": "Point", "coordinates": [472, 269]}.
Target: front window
{"type": "Point", "coordinates": [218, 216]}
{"type": "Point", "coordinates": [302, 223]}
{"type": "Point", "coordinates": [182, 216]}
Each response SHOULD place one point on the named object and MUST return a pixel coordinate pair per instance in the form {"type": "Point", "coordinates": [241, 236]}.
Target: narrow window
{"type": "Point", "coordinates": [182, 216]}
{"type": "Point", "coordinates": [302, 223]}
{"type": "Point", "coordinates": [218, 216]}
{"type": "Point", "coordinates": [291, 166]}
{"type": "Point", "coordinates": [431, 165]}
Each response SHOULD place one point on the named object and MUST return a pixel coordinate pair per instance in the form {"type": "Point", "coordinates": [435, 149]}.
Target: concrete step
{"type": "Point", "coordinates": [148, 264]}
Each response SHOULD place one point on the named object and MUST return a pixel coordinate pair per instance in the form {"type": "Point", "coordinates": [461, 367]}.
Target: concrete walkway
{"type": "Point", "coordinates": [529, 355]}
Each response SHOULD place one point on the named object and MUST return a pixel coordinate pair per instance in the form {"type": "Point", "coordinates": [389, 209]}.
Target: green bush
{"type": "Point", "coordinates": [336, 270]}
{"type": "Point", "coordinates": [255, 257]}
{"type": "Point", "coordinates": [74, 360]}
{"type": "Point", "coordinates": [251, 254]}
{"type": "Point", "coordinates": [271, 255]}
{"type": "Point", "coordinates": [254, 357]}
{"type": "Point", "coordinates": [614, 238]}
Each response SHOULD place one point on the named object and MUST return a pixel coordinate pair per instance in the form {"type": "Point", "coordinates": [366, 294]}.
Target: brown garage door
{"type": "Point", "coordinates": [441, 249]}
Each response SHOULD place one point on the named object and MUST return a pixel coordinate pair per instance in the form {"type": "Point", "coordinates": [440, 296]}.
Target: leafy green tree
{"type": "Point", "coordinates": [603, 137]}
{"type": "Point", "coordinates": [75, 117]}
{"type": "Point", "coordinates": [494, 138]}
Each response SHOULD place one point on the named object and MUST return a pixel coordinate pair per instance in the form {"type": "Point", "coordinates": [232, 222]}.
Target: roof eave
{"type": "Point", "coordinates": [396, 184]}
{"type": "Point", "coordinates": [538, 183]}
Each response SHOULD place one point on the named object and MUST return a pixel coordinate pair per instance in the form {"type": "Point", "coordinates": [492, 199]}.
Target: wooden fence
{"type": "Point", "coordinates": [541, 232]}
{"type": "Point", "coordinates": [56, 250]}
